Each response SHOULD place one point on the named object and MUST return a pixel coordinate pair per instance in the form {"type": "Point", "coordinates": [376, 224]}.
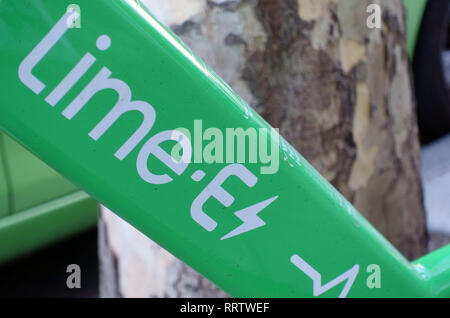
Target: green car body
{"type": "Point", "coordinates": [37, 205]}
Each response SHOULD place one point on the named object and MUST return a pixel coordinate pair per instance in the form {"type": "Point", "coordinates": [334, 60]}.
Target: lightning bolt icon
{"type": "Point", "coordinates": [318, 289]}
{"type": "Point", "coordinates": [250, 218]}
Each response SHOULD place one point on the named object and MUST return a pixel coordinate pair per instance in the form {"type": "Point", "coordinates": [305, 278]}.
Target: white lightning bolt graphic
{"type": "Point", "coordinates": [318, 289]}
{"type": "Point", "coordinates": [250, 218]}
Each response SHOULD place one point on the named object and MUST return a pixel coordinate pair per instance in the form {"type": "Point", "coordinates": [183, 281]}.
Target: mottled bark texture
{"type": "Point", "coordinates": [338, 91]}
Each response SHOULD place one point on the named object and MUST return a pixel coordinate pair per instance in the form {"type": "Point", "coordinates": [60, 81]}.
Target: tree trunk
{"type": "Point", "coordinates": [340, 94]}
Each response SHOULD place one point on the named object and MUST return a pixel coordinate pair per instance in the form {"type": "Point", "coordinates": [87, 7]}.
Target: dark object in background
{"type": "Point", "coordinates": [43, 274]}
{"type": "Point", "coordinates": [432, 70]}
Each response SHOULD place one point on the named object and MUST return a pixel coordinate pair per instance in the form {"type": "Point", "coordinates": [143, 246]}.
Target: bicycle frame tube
{"type": "Point", "coordinates": [99, 103]}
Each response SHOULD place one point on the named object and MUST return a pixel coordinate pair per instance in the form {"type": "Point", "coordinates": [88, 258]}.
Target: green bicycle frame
{"type": "Point", "coordinates": [98, 91]}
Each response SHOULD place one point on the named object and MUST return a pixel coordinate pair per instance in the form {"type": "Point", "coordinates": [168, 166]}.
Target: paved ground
{"type": "Point", "coordinates": [436, 185]}
{"type": "Point", "coordinates": [436, 188]}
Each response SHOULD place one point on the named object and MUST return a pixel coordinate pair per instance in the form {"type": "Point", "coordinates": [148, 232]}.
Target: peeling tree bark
{"type": "Point", "coordinates": [340, 94]}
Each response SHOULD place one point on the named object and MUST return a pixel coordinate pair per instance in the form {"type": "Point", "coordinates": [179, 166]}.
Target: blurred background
{"type": "Point", "coordinates": [367, 105]}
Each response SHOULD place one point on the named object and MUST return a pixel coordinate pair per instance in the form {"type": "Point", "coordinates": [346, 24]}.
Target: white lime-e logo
{"type": "Point", "coordinates": [102, 81]}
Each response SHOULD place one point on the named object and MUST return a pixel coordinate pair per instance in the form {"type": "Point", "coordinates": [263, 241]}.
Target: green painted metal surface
{"type": "Point", "coordinates": [4, 200]}
{"type": "Point", "coordinates": [37, 205]}
{"type": "Point", "coordinates": [415, 10]}
{"type": "Point", "coordinates": [435, 270]}
{"type": "Point", "coordinates": [32, 182]}
{"type": "Point", "coordinates": [286, 234]}
{"type": "Point", "coordinates": [43, 224]}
